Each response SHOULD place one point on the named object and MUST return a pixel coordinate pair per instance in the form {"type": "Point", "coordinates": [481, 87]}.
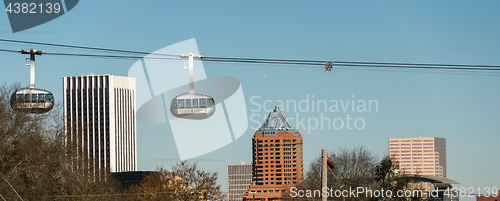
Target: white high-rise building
{"type": "Point", "coordinates": [239, 177]}
{"type": "Point", "coordinates": [422, 155]}
{"type": "Point", "coordinates": [100, 121]}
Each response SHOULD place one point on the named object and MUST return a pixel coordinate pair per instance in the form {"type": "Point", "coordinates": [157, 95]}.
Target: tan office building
{"type": "Point", "coordinates": [239, 178]}
{"type": "Point", "coordinates": [422, 155]}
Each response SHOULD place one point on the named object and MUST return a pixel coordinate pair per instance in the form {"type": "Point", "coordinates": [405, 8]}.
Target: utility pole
{"type": "Point", "coordinates": [324, 157]}
{"type": "Point", "coordinates": [32, 52]}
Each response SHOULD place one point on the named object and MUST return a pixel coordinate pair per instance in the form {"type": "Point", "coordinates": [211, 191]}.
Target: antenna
{"type": "Point", "coordinates": [242, 161]}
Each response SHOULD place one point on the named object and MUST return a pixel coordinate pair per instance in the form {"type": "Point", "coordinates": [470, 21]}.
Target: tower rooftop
{"type": "Point", "coordinates": [277, 121]}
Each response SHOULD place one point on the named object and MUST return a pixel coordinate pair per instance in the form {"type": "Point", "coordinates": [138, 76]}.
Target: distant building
{"type": "Point", "coordinates": [99, 119]}
{"type": "Point", "coordinates": [277, 158]}
{"type": "Point", "coordinates": [169, 184]}
{"type": "Point", "coordinates": [433, 188]}
{"type": "Point", "coordinates": [239, 178]}
{"type": "Point", "coordinates": [489, 198]}
{"type": "Point", "coordinates": [423, 155]}
{"type": "Point", "coordinates": [128, 179]}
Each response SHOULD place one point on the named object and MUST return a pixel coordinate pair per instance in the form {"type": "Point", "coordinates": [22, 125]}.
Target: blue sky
{"type": "Point", "coordinates": [463, 108]}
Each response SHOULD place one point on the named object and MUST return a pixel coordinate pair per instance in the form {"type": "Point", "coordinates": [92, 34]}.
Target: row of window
{"type": "Point", "coordinates": [420, 165]}
{"type": "Point", "coordinates": [425, 154]}
{"type": "Point", "coordinates": [416, 144]}
{"type": "Point", "coordinates": [414, 151]}
{"type": "Point", "coordinates": [284, 170]}
{"type": "Point", "coordinates": [269, 191]}
{"type": "Point", "coordinates": [286, 140]}
{"type": "Point", "coordinates": [418, 161]}
{"type": "Point", "coordinates": [281, 174]}
{"type": "Point", "coordinates": [277, 153]}
{"type": "Point", "coordinates": [89, 91]}
{"type": "Point", "coordinates": [277, 178]}
{"type": "Point", "coordinates": [277, 145]}
{"type": "Point", "coordinates": [278, 166]}
{"type": "Point", "coordinates": [419, 168]}
{"type": "Point", "coordinates": [271, 158]}
{"type": "Point", "coordinates": [32, 98]}
{"type": "Point", "coordinates": [278, 162]}
{"type": "Point", "coordinates": [412, 147]}
{"type": "Point", "coordinates": [272, 166]}
{"type": "Point", "coordinates": [284, 149]}
{"type": "Point", "coordinates": [193, 103]}
{"type": "Point", "coordinates": [417, 158]}
{"type": "Point", "coordinates": [410, 140]}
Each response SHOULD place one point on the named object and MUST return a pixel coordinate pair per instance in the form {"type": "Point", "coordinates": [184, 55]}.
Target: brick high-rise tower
{"type": "Point", "coordinates": [277, 158]}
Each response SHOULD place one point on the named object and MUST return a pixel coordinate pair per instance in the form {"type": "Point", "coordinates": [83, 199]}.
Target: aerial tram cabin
{"type": "Point", "coordinates": [31, 99]}
{"type": "Point", "coordinates": [191, 105]}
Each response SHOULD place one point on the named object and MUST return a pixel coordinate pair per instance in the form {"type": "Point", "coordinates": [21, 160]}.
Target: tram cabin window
{"type": "Point", "coordinates": [19, 97]}
{"type": "Point", "coordinates": [195, 103]}
{"type": "Point", "coordinates": [49, 98]}
{"type": "Point", "coordinates": [41, 98]}
{"type": "Point", "coordinates": [203, 103]}
{"type": "Point", "coordinates": [210, 103]}
{"type": "Point", "coordinates": [174, 103]}
{"type": "Point", "coordinates": [192, 103]}
{"type": "Point", "coordinates": [180, 103]}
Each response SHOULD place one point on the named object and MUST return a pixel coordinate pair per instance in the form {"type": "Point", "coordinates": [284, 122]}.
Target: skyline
{"type": "Point", "coordinates": [463, 107]}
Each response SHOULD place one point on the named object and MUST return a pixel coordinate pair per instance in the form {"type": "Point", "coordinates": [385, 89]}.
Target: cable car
{"type": "Point", "coordinates": [31, 99]}
{"type": "Point", "coordinates": [191, 105]}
